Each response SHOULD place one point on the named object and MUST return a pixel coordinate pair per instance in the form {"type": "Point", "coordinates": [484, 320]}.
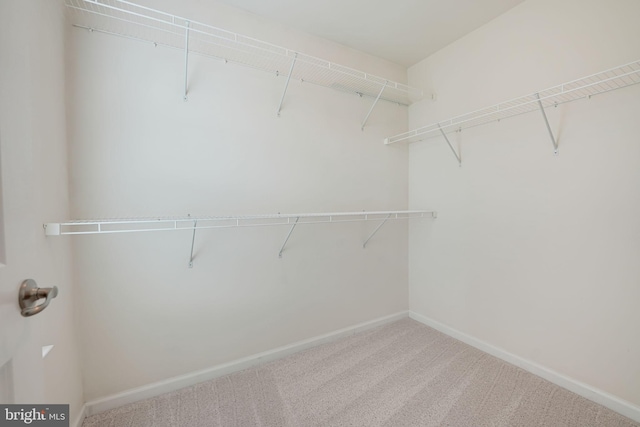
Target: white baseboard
{"type": "Point", "coordinates": [81, 416]}
{"type": "Point", "coordinates": [610, 401]}
{"type": "Point", "coordinates": [176, 383]}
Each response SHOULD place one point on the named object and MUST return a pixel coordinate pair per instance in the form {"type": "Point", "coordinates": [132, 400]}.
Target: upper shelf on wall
{"type": "Point", "coordinates": [127, 19]}
{"type": "Point", "coordinates": [586, 87]}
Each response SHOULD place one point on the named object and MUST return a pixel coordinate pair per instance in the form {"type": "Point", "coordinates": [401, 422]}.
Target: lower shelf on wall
{"type": "Point", "coordinates": [131, 225]}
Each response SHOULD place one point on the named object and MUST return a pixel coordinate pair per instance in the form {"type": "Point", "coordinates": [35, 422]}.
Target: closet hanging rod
{"type": "Point", "coordinates": [143, 23]}
{"type": "Point", "coordinates": [131, 225]}
{"type": "Point", "coordinates": [586, 87]}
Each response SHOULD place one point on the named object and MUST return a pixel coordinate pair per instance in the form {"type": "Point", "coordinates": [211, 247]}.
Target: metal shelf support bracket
{"type": "Point", "coordinates": [286, 85]}
{"type": "Point", "coordinates": [193, 241]}
{"type": "Point", "coordinates": [450, 146]}
{"type": "Point", "coordinates": [186, 59]}
{"type": "Point", "coordinates": [546, 122]}
{"type": "Point", "coordinates": [288, 235]}
{"type": "Point", "coordinates": [374, 104]}
{"type": "Point", "coordinates": [364, 245]}
{"type": "Point", "coordinates": [138, 22]}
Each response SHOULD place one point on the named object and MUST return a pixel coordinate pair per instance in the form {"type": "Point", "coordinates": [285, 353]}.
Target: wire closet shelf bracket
{"type": "Point", "coordinates": [127, 19]}
{"type": "Point", "coordinates": [584, 88]}
{"type": "Point", "coordinates": [133, 225]}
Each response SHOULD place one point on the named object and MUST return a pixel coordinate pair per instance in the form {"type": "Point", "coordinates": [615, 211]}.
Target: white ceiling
{"type": "Point", "coordinates": [401, 31]}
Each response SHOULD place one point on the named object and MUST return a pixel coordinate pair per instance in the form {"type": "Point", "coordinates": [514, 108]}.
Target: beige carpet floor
{"type": "Point", "coordinates": [400, 374]}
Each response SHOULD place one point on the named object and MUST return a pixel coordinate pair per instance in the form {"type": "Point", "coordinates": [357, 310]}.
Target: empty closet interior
{"type": "Point", "coordinates": [234, 189]}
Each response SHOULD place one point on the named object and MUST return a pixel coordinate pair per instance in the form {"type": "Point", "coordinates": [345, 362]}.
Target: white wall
{"type": "Point", "coordinates": [535, 254]}
{"type": "Point", "coordinates": [138, 150]}
{"type": "Point", "coordinates": [33, 142]}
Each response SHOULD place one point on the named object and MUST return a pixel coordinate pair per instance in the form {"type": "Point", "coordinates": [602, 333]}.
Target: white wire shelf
{"type": "Point", "coordinates": [120, 17]}
{"type": "Point", "coordinates": [586, 87]}
{"type": "Point", "coordinates": [131, 225]}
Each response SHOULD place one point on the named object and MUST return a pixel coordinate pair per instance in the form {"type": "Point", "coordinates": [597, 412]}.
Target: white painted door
{"type": "Point", "coordinates": [33, 191]}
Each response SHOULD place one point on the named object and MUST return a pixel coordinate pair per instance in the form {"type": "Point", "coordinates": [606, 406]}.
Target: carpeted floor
{"type": "Point", "coordinates": [400, 374]}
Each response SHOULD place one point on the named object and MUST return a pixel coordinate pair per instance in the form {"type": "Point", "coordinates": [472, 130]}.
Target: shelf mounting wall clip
{"type": "Point", "coordinates": [287, 239]}
{"type": "Point", "coordinates": [286, 85]}
{"type": "Point", "coordinates": [364, 245]}
{"type": "Point", "coordinates": [450, 146]}
{"type": "Point", "coordinates": [546, 121]}
{"type": "Point", "coordinates": [374, 104]}
{"type": "Point", "coordinates": [186, 59]}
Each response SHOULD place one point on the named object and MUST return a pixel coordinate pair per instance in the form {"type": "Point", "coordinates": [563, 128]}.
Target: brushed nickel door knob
{"type": "Point", "coordinates": [30, 293]}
